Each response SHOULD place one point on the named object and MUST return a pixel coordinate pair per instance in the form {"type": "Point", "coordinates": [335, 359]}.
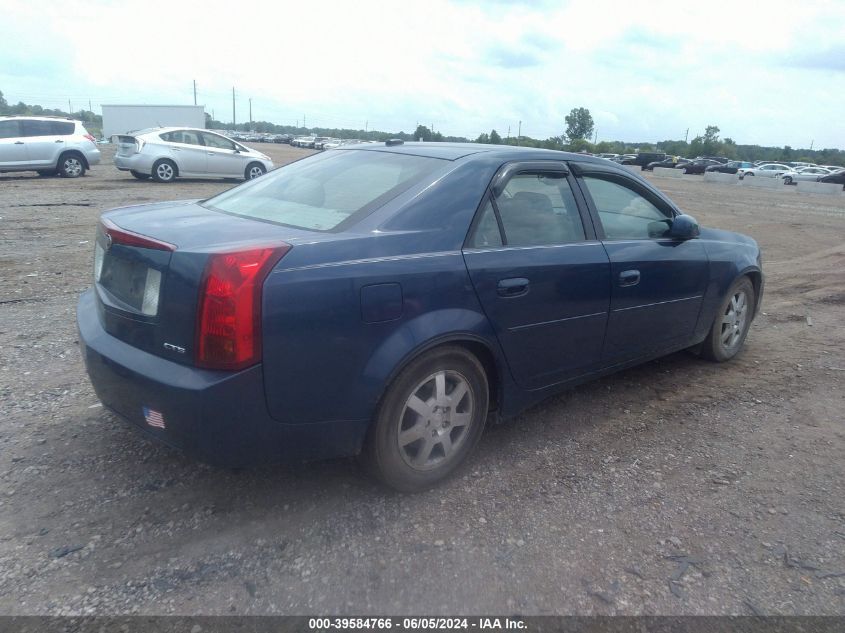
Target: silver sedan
{"type": "Point", "coordinates": [167, 153]}
{"type": "Point", "coordinates": [804, 173]}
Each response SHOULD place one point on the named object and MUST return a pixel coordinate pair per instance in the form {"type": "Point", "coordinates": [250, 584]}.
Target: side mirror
{"type": "Point", "coordinates": [684, 227]}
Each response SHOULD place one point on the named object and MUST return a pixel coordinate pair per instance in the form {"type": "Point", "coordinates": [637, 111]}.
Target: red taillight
{"type": "Point", "coordinates": [118, 235]}
{"type": "Point", "coordinates": [229, 317]}
{"type": "Point", "coordinates": [90, 138]}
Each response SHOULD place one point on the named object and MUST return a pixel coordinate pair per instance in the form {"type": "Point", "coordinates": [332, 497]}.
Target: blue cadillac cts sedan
{"type": "Point", "coordinates": [386, 300]}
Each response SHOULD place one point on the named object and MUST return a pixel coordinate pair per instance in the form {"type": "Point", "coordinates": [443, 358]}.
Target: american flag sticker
{"type": "Point", "coordinates": [154, 418]}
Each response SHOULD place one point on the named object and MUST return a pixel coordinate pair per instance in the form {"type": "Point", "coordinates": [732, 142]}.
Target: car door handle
{"type": "Point", "coordinates": [211, 153]}
{"type": "Point", "coordinates": [514, 287]}
{"type": "Point", "coordinates": [58, 140]}
{"type": "Point", "coordinates": [18, 142]}
{"type": "Point", "coordinates": [629, 277]}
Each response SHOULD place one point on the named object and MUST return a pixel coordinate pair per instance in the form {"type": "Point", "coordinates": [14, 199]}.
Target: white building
{"type": "Point", "coordinates": [122, 119]}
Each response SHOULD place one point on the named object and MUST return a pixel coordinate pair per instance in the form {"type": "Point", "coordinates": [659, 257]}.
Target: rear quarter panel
{"type": "Point", "coordinates": [322, 361]}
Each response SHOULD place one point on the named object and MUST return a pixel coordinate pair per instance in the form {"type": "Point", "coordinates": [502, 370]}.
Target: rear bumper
{"type": "Point", "coordinates": [93, 157]}
{"type": "Point", "coordinates": [219, 417]}
{"type": "Point", "coordinates": [137, 162]}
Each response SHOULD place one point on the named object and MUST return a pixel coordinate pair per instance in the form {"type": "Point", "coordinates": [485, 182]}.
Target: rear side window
{"type": "Point", "coordinates": [63, 128]}
{"type": "Point", "coordinates": [37, 128]}
{"type": "Point", "coordinates": [9, 129]}
{"type": "Point", "coordinates": [322, 192]}
{"type": "Point", "coordinates": [538, 209]}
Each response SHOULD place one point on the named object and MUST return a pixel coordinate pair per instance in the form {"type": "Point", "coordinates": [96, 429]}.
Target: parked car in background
{"type": "Point", "coordinates": [607, 155]}
{"type": "Point", "coordinates": [804, 173]}
{"type": "Point", "coordinates": [698, 165]}
{"type": "Point", "coordinates": [729, 168]}
{"type": "Point", "coordinates": [303, 141]}
{"type": "Point", "coordinates": [384, 298]}
{"type": "Point", "coordinates": [282, 138]}
{"type": "Point", "coordinates": [169, 153]}
{"type": "Point", "coordinates": [625, 159]}
{"type": "Point", "coordinates": [835, 177]}
{"type": "Point", "coordinates": [47, 145]}
{"type": "Point", "coordinates": [766, 170]}
{"type": "Point", "coordinates": [670, 162]}
{"type": "Point", "coordinates": [644, 158]}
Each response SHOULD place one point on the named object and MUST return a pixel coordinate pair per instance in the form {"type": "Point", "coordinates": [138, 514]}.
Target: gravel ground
{"type": "Point", "coordinates": [679, 487]}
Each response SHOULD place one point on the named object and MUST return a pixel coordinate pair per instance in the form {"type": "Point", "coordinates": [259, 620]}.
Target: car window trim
{"type": "Point", "coordinates": [500, 180]}
{"type": "Point", "coordinates": [653, 196]}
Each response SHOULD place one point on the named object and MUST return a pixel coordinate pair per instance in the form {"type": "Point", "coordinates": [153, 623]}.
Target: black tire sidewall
{"type": "Point", "coordinates": [713, 348]}
{"type": "Point", "coordinates": [382, 449]}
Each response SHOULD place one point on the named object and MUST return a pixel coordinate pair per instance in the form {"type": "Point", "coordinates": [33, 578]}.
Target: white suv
{"type": "Point", "coordinates": [48, 145]}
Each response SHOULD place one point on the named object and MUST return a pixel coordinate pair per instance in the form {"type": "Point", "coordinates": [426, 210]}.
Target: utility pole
{"type": "Point", "coordinates": [811, 144]}
{"type": "Point", "coordinates": [303, 122]}
{"type": "Point", "coordinates": [233, 108]}
{"type": "Point", "coordinates": [69, 107]}
{"type": "Point", "coordinates": [508, 141]}
{"type": "Point", "coordinates": [250, 113]}
{"type": "Point", "coordinates": [195, 92]}
{"type": "Point", "coordinates": [90, 109]}
{"type": "Point", "coordinates": [595, 136]}
{"type": "Point", "coordinates": [519, 133]}
{"type": "Point", "coordinates": [686, 136]}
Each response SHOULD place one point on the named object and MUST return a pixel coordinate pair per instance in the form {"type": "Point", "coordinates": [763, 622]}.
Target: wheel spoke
{"type": "Point", "coordinates": [425, 451]}
{"type": "Point", "coordinates": [460, 419]}
{"type": "Point", "coordinates": [446, 443]}
{"type": "Point", "coordinates": [740, 304]}
{"type": "Point", "coordinates": [418, 406]}
{"type": "Point", "coordinates": [440, 385]}
{"type": "Point", "coordinates": [412, 435]}
{"type": "Point", "coordinates": [726, 334]}
{"type": "Point", "coordinates": [458, 393]}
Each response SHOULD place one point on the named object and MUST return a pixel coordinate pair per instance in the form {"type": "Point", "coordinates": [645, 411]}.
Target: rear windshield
{"type": "Point", "coordinates": [321, 192]}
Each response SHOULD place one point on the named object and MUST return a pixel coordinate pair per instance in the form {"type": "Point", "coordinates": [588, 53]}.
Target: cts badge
{"type": "Point", "coordinates": [170, 347]}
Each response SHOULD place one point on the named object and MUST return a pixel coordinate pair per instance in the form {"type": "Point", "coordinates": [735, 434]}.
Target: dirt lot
{"type": "Point", "coordinates": [677, 487]}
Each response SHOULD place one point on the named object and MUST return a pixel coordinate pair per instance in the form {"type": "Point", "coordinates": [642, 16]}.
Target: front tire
{"type": "Point", "coordinates": [71, 166]}
{"type": "Point", "coordinates": [254, 170]}
{"type": "Point", "coordinates": [164, 170]}
{"type": "Point", "coordinates": [730, 327]}
{"type": "Point", "coordinates": [430, 419]}
{"type": "Point", "coordinates": [787, 180]}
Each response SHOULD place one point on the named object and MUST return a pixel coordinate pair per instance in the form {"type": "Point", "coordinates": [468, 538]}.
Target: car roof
{"type": "Point", "coordinates": [37, 117]}
{"type": "Point", "coordinates": [455, 151]}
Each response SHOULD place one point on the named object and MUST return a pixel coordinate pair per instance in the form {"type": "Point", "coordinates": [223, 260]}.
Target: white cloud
{"type": "Point", "coordinates": [646, 71]}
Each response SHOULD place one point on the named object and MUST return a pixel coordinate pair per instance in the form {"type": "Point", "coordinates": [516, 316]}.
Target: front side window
{"type": "Point", "coordinates": [218, 142]}
{"type": "Point", "coordinates": [539, 209]}
{"type": "Point", "coordinates": [9, 129]}
{"type": "Point", "coordinates": [626, 214]}
{"type": "Point", "coordinates": [321, 192]}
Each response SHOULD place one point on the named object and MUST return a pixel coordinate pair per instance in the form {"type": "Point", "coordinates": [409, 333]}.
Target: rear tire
{"type": "Point", "coordinates": [787, 180]}
{"type": "Point", "coordinates": [253, 171]}
{"type": "Point", "coordinates": [139, 175]}
{"type": "Point", "coordinates": [71, 165]}
{"type": "Point", "coordinates": [730, 327]}
{"type": "Point", "coordinates": [429, 421]}
{"type": "Point", "coordinates": [164, 170]}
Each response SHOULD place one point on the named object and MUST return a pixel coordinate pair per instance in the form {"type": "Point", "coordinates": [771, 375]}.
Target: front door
{"type": "Point", "coordinates": [13, 153]}
{"type": "Point", "coordinates": [223, 160]}
{"type": "Point", "coordinates": [657, 283]}
{"type": "Point", "coordinates": [540, 274]}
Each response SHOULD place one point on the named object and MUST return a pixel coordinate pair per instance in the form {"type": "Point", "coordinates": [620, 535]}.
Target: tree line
{"type": "Point", "coordinates": [579, 127]}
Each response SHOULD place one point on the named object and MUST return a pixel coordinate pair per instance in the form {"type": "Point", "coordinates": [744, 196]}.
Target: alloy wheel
{"type": "Point", "coordinates": [435, 420]}
{"type": "Point", "coordinates": [733, 321]}
{"type": "Point", "coordinates": [165, 171]}
{"type": "Point", "coordinates": [72, 167]}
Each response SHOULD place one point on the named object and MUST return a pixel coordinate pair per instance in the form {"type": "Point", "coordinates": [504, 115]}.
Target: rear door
{"type": "Point", "coordinates": [223, 159]}
{"type": "Point", "coordinates": [541, 276]}
{"type": "Point", "coordinates": [188, 151]}
{"type": "Point", "coordinates": [657, 283]}
{"type": "Point", "coordinates": [42, 142]}
{"type": "Point", "coordinates": [13, 153]}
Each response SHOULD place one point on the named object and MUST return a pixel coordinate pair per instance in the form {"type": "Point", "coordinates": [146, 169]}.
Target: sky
{"type": "Point", "coordinates": [765, 72]}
